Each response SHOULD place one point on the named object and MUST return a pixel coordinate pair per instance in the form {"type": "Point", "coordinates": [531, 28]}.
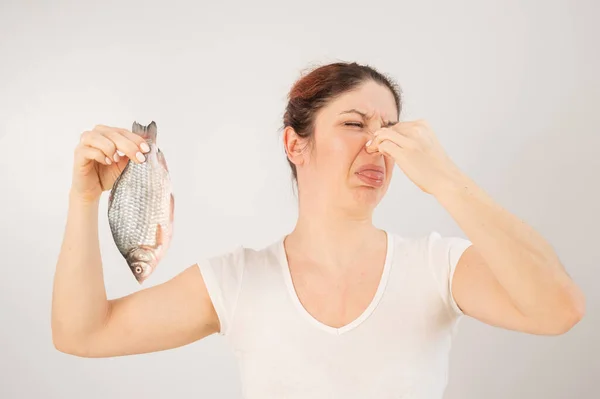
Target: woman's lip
{"type": "Point", "coordinates": [371, 177]}
{"type": "Point", "coordinates": [371, 167]}
{"type": "Point", "coordinates": [372, 174]}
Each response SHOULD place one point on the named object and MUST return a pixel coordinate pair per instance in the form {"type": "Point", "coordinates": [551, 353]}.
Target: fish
{"type": "Point", "coordinates": [141, 208]}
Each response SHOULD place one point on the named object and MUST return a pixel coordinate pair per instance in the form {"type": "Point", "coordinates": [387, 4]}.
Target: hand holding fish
{"type": "Point", "coordinates": [416, 150]}
{"type": "Point", "coordinates": [101, 156]}
{"type": "Point", "coordinates": [130, 164]}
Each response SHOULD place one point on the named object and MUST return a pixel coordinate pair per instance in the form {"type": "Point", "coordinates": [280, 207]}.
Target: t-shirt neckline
{"type": "Point", "coordinates": [363, 316]}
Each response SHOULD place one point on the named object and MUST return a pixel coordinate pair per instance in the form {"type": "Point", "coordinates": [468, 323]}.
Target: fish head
{"type": "Point", "coordinates": [142, 262]}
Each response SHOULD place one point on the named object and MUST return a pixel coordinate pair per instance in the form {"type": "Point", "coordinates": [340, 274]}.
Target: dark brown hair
{"type": "Point", "coordinates": [313, 91]}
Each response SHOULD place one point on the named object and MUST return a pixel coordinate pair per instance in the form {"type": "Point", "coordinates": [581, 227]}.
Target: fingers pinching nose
{"type": "Point", "coordinates": [368, 148]}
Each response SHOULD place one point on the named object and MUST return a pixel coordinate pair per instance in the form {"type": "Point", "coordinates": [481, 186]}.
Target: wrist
{"type": "Point", "coordinates": [85, 200]}
{"type": "Point", "coordinates": [456, 184]}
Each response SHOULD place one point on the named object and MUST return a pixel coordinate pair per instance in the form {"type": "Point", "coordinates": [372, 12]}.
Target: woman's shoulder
{"type": "Point", "coordinates": [432, 250]}
{"type": "Point", "coordinates": [241, 256]}
{"type": "Point", "coordinates": [430, 259]}
{"type": "Point", "coordinates": [428, 241]}
{"type": "Point", "coordinates": [228, 272]}
{"type": "Point", "coordinates": [433, 247]}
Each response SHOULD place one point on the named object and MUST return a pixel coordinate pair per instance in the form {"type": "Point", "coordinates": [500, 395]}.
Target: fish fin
{"type": "Point", "coordinates": [159, 237]}
{"type": "Point", "coordinates": [147, 132]}
{"type": "Point", "coordinates": [162, 160]}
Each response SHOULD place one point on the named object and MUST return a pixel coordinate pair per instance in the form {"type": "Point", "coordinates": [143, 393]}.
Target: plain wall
{"type": "Point", "coordinates": [511, 89]}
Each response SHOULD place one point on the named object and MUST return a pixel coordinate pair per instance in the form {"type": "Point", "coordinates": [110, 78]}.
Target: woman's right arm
{"type": "Point", "coordinates": [84, 321]}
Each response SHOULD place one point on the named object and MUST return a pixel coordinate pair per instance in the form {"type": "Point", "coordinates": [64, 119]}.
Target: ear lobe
{"type": "Point", "coordinates": [293, 145]}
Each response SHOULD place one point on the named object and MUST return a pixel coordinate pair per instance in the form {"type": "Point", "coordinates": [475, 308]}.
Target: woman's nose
{"type": "Point", "coordinates": [372, 127]}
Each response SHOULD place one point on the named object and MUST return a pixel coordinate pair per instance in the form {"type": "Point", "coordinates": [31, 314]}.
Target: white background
{"type": "Point", "coordinates": [510, 87]}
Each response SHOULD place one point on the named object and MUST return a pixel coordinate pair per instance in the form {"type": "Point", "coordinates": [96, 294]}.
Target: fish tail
{"type": "Point", "coordinates": [147, 132]}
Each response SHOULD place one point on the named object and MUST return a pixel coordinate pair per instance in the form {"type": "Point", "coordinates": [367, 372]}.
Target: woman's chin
{"type": "Point", "coordinates": [367, 195]}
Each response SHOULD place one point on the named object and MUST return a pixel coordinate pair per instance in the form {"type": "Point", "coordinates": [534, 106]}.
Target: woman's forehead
{"type": "Point", "coordinates": [377, 102]}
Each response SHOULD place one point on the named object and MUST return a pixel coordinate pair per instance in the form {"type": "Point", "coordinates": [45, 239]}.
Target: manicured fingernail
{"type": "Point", "coordinates": [368, 143]}
{"type": "Point", "coordinates": [145, 147]}
{"type": "Point", "coordinates": [140, 157]}
{"type": "Point", "coordinates": [107, 159]}
{"type": "Point", "coordinates": [116, 157]}
{"type": "Point", "coordinates": [120, 153]}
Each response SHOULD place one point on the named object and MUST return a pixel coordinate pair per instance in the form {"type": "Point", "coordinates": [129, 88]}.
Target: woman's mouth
{"type": "Point", "coordinates": [372, 175]}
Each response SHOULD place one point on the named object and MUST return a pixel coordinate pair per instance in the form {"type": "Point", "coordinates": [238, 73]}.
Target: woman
{"type": "Point", "coordinates": [337, 307]}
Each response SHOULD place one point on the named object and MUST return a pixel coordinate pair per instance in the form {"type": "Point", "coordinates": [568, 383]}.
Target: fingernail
{"type": "Point", "coordinates": [116, 157]}
{"type": "Point", "coordinates": [120, 153]}
{"type": "Point", "coordinates": [140, 157]}
{"type": "Point", "coordinates": [145, 147]}
{"type": "Point", "coordinates": [107, 159]}
{"type": "Point", "coordinates": [368, 143]}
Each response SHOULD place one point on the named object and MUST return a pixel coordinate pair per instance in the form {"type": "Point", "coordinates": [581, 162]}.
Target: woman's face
{"type": "Point", "coordinates": [338, 166]}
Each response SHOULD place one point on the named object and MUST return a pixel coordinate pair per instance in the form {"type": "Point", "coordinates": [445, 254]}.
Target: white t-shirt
{"type": "Point", "coordinates": [397, 348]}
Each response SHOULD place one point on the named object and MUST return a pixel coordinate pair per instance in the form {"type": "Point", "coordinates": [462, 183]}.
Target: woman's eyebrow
{"type": "Point", "coordinates": [364, 115]}
{"type": "Point", "coordinates": [354, 111]}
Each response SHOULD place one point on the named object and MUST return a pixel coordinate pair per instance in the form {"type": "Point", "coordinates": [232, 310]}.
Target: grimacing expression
{"type": "Point", "coordinates": [342, 128]}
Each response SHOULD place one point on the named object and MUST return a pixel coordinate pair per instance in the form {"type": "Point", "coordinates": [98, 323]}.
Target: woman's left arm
{"type": "Point", "coordinates": [511, 276]}
{"type": "Point", "coordinates": [508, 258]}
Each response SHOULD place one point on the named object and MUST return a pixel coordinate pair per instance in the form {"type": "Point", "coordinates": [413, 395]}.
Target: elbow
{"type": "Point", "coordinates": [75, 339]}
{"type": "Point", "coordinates": [71, 349]}
{"type": "Point", "coordinates": [61, 345]}
{"type": "Point", "coordinates": [565, 323]}
{"type": "Point", "coordinates": [571, 313]}
{"type": "Point", "coordinates": [69, 344]}
{"type": "Point", "coordinates": [575, 308]}
{"type": "Point", "coordinates": [64, 345]}
{"type": "Point", "coordinates": [575, 313]}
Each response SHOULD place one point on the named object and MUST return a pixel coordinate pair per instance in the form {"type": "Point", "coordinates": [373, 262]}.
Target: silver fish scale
{"type": "Point", "coordinates": [141, 200]}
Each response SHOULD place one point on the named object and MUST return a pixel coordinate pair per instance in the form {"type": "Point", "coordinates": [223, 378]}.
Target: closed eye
{"type": "Point", "coordinates": [357, 124]}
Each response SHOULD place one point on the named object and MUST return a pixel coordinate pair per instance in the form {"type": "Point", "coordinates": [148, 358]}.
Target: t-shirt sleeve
{"type": "Point", "coordinates": [443, 256]}
{"type": "Point", "coordinates": [223, 275]}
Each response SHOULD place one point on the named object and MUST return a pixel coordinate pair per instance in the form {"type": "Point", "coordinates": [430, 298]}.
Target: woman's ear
{"type": "Point", "coordinates": [294, 146]}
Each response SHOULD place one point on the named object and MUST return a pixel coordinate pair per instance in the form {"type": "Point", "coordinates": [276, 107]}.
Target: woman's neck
{"type": "Point", "coordinates": [333, 238]}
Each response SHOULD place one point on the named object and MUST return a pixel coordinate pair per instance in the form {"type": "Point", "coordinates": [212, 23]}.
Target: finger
{"type": "Point", "coordinates": [124, 139]}
{"type": "Point", "coordinates": [86, 153]}
{"type": "Point", "coordinates": [136, 138]}
{"type": "Point", "coordinates": [128, 146]}
{"type": "Point", "coordinates": [411, 129]}
{"type": "Point", "coordinates": [410, 124]}
{"type": "Point", "coordinates": [139, 141]}
{"type": "Point", "coordinates": [99, 141]}
{"type": "Point", "coordinates": [389, 148]}
{"type": "Point", "coordinates": [391, 135]}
